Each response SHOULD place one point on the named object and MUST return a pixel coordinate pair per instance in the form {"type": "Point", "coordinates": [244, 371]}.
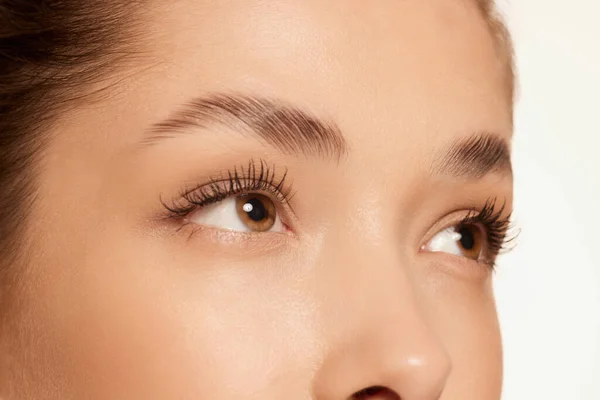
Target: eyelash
{"type": "Point", "coordinates": [261, 177]}
{"type": "Point", "coordinates": [255, 177]}
{"type": "Point", "coordinates": [497, 229]}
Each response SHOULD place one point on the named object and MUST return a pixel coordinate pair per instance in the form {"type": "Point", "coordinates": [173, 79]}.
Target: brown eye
{"type": "Point", "coordinates": [242, 213]}
{"type": "Point", "coordinates": [257, 212]}
{"type": "Point", "coordinates": [470, 241]}
{"type": "Point", "coordinates": [461, 240]}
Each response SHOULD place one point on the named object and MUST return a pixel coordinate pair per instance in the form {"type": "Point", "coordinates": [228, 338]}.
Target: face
{"type": "Point", "coordinates": [291, 201]}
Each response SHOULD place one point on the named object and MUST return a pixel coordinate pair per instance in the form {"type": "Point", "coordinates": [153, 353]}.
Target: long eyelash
{"type": "Point", "coordinates": [498, 228]}
{"type": "Point", "coordinates": [255, 177]}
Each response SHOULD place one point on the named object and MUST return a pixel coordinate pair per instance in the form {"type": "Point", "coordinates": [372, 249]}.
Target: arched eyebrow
{"type": "Point", "coordinates": [286, 127]}
{"type": "Point", "coordinates": [295, 131]}
{"type": "Point", "coordinates": [474, 157]}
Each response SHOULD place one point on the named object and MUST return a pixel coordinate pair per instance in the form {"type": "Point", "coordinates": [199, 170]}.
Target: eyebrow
{"type": "Point", "coordinates": [295, 131]}
{"type": "Point", "coordinates": [475, 157]}
{"type": "Point", "coordinates": [288, 128]}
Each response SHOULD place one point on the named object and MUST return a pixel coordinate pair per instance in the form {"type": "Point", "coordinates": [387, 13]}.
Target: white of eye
{"type": "Point", "coordinates": [446, 241]}
{"type": "Point", "coordinates": [465, 240]}
{"type": "Point", "coordinates": [225, 215]}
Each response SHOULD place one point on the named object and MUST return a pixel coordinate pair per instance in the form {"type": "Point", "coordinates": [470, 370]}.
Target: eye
{"type": "Point", "coordinates": [243, 213]}
{"type": "Point", "coordinates": [465, 240]}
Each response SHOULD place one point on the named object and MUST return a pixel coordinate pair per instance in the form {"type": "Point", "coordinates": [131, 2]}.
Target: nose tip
{"type": "Point", "coordinates": [416, 375]}
{"type": "Point", "coordinates": [425, 376]}
{"type": "Point", "coordinates": [408, 367]}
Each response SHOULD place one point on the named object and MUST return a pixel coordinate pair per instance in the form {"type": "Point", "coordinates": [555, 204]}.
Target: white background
{"type": "Point", "coordinates": [548, 288]}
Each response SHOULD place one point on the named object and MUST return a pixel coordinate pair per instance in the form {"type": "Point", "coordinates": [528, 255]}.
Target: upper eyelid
{"type": "Point", "coordinates": [229, 191]}
{"type": "Point", "coordinates": [258, 173]}
{"type": "Point", "coordinates": [255, 177]}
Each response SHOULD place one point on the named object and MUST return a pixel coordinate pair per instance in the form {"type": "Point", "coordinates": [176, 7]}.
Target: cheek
{"type": "Point", "coordinates": [108, 324]}
{"type": "Point", "coordinates": [126, 315]}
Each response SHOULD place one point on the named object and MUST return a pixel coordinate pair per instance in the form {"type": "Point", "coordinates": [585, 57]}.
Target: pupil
{"type": "Point", "coordinates": [257, 211]}
{"type": "Point", "coordinates": [467, 239]}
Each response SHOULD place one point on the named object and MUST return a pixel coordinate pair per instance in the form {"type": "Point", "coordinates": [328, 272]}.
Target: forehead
{"type": "Point", "coordinates": [387, 66]}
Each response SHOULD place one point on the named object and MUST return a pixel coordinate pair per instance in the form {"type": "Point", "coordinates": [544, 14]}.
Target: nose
{"type": "Point", "coordinates": [379, 344]}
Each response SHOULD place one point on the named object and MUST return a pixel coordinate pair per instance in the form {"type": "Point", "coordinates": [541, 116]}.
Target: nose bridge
{"type": "Point", "coordinates": [376, 332]}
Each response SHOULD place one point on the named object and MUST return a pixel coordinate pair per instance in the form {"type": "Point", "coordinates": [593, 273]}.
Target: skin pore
{"type": "Point", "coordinates": [365, 129]}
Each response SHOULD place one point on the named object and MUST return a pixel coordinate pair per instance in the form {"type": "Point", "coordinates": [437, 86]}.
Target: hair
{"type": "Point", "coordinates": [52, 52]}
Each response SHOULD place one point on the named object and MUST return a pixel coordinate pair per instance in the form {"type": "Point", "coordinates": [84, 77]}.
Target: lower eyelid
{"type": "Point", "coordinates": [209, 239]}
{"type": "Point", "coordinates": [458, 266]}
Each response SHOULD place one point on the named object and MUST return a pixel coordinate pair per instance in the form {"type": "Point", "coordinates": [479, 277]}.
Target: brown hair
{"type": "Point", "coordinates": [51, 53]}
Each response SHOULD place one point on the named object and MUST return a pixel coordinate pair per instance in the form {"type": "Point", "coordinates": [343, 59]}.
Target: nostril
{"type": "Point", "coordinates": [375, 392]}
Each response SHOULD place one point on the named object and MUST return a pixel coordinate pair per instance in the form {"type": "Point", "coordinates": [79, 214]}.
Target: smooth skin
{"type": "Point", "coordinates": [117, 303]}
